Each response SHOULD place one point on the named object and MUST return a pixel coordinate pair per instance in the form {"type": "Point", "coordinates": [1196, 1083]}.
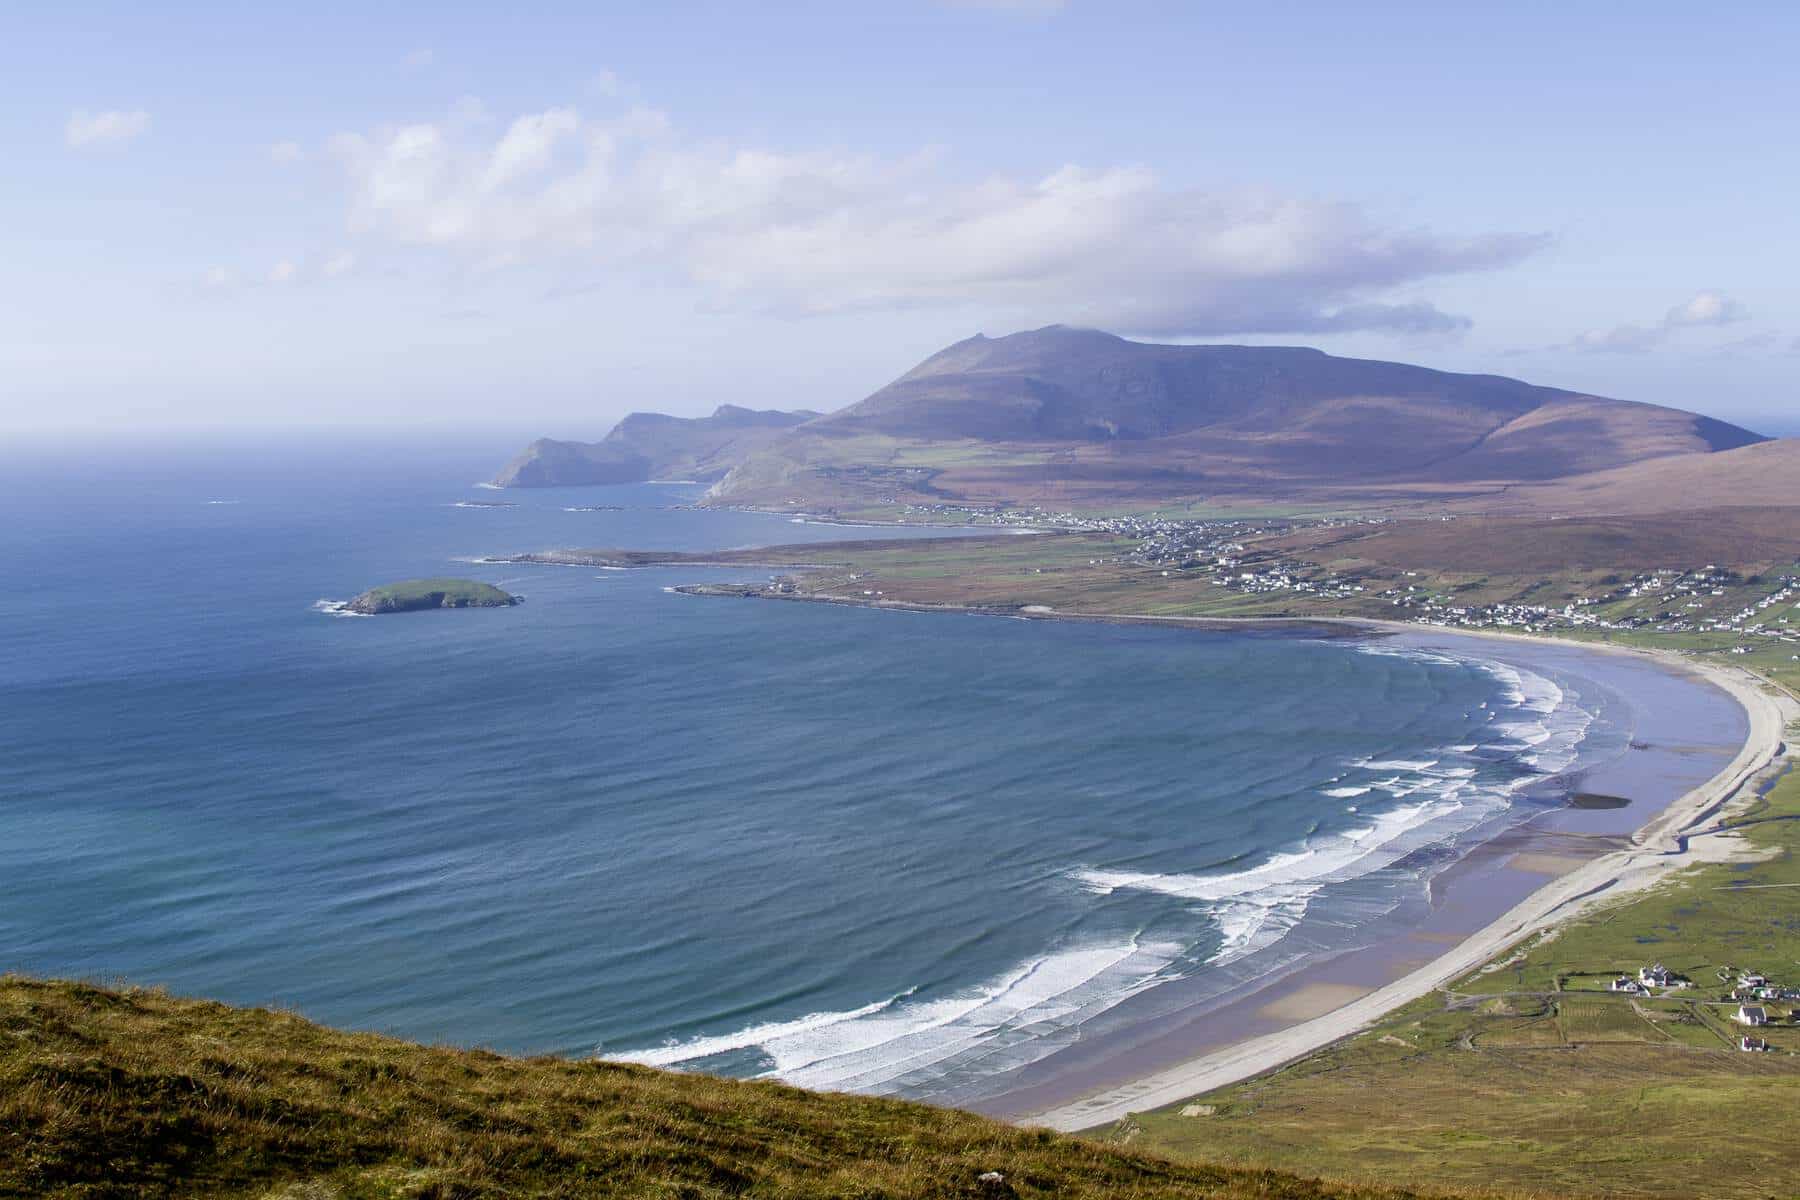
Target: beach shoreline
{"type": "Point", "coordinates": [1317, 1015]}
{"type": "Point", "coordinates": [1665, 843]}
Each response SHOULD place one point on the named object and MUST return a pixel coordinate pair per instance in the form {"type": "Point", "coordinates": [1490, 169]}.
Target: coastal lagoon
{"type": "Point", "coordinates": [932, 855]}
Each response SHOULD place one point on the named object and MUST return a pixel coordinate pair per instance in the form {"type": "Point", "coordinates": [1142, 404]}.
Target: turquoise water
{"type": "Point", "coordinates": [870, 850]}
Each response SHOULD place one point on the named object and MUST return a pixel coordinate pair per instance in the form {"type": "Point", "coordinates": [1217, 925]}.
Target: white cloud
{"type": "Point", "coordinates": [93, 129]}
{"type": "Point", "coordinates": [417, 60]}
{"type": "Point", "coordinates": [216, 277]}
{"type": "Point", "coordinates": [1705, 309]}
{"type": "Point", "coordinates": [340, 263]}
{"type": "Point", "coordinates": [286, 152]}
{"type": "Point", "coordinates": [815, 232]}
{"type": "Point", "coordinates": [283, 272]}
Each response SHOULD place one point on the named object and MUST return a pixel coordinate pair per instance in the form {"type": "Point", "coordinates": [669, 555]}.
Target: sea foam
{"type": "Point", "coordinates": [876, 1047]}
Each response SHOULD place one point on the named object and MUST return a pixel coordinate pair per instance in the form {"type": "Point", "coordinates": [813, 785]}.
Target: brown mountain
{"type": "Point", "coordinates": [651, 446]}
{"type": "Point", "coordinates": [1083, 418]}
{"type": "Point", "coordinates": [1078, 415]}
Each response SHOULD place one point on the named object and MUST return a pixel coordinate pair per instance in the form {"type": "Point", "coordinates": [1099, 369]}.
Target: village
{"type": "Point", "coordinates": [1668, 600]}
{"type": "Point", "coordinates": [1691, 590]}
{"type": "Point", "coordinates": [1747, 1001]}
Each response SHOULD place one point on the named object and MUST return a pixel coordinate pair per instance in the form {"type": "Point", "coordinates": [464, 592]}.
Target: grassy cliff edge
{"type": "Point", "coordinates": [107, 1092]}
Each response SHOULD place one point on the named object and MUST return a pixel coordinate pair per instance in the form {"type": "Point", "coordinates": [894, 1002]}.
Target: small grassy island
{"type": "Point", "coordinates": [414, 595]}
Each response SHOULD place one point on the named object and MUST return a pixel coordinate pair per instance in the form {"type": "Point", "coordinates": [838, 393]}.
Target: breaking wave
{"type": "Point", "coordinates": [1009, 1021]}
{"type": "Point", "coordinates": [335, 608]}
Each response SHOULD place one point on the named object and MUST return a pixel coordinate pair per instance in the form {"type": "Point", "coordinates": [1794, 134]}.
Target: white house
{"type": "Point", "coordinates": [1750, 1044]}
{"type": "Point", "coordinates": [1624, 983]}
{"type": "Point", "coordinates": [1752, 1014]}
{"type": "Point", "coordinates": [1657, 976]}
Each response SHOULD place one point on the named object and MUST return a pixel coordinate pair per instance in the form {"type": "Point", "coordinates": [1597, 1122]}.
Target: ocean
{"type": "Point", "coordinates": [880, 851]}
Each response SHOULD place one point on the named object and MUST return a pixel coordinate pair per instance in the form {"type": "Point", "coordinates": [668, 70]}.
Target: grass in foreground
{"type": "Point", "coordinates": [1527, 1075]}
{"type": "Point", "coordinates": [132, 1093]}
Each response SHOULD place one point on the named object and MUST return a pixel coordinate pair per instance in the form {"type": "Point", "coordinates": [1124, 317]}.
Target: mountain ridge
{"type": "Point", "coordinates": [1084, 417]}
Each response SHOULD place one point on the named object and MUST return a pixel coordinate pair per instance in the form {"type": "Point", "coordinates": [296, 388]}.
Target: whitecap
{"type": "Point", "coordinates": [335, 608]}
{"type": "Point", "coordinates": [1006, 1021]}
{"type": "Point", "coordinates": [1254, 907]}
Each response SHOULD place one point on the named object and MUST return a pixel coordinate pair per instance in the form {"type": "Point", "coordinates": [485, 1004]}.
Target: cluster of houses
{"type": "Point", "coordinates": [1035, 517]}
{"type": "Point", "coordinates": [1752, 992]}
{"type": "Point", "coordinates": [1217, 547]}
{"type": "Point", "coordinates": [1648, 980]}
{"type": "Point", "coordinates": [1698, 589]}
{"type": "Point", "coordinates": [1671, 600]}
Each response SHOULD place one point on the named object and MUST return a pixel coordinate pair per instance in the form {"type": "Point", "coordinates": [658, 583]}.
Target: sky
{"type": "Point", "coordinates": [542, 216]}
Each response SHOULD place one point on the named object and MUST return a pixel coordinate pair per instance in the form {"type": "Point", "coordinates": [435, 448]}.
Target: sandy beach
{"type": "Point", "coordinates": [1323, 1013]}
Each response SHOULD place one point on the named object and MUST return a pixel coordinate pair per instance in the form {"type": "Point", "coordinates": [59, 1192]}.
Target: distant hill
{"type": "Point", "coordinates": [651, 446]}
{"type": "Point", "coordinates": [1077, 417]}
{"type": "Point", "coordinates": [1082, 416]}
{"type": "Point", "coordinates": [134, 1093]}
{"type": "Point", "coordinates": [1292, 409]}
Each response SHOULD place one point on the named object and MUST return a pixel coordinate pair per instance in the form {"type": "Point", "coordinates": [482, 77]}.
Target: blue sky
{"type": "Point", "coordinates": [548, 215]}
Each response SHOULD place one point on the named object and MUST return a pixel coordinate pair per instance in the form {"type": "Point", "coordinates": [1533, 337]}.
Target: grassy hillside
{"type": "Point", "coordinates": [1529, 1074]}
{"type": "Point", "coordinates": [132, 1093]}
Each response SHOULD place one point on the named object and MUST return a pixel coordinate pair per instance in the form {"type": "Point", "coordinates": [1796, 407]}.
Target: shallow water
{"type": "Point", "coordinates": [870, 850]}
